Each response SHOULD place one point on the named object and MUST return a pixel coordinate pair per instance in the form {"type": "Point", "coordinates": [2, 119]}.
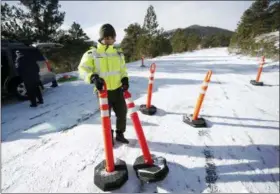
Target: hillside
{"type": "Point", "coordinates": [272, 38]}
{"type": "Point", "coordinates": [202, 31]}
{"type": "Point", "coordinates": [258, 30]}
{"type": "Point", "coordinates": [265, 44]}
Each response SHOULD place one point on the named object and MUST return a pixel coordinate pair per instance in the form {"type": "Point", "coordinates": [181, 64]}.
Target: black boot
{"type": "Point", "coordinates": [40, 102]}
{"type": "Point", "coordinates": [33, 105]}
{"type": "Point", "coordinates": [112, 132]}
{"type": "Point", "coordinates": [120, 137]}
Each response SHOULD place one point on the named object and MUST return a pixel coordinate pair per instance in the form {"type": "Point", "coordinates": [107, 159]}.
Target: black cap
{"type": "Point", "coordinates": [106, 30]}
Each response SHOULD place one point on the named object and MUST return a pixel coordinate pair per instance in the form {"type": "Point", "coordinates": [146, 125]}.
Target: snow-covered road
{"type": "Point", "coordinates": [55, 147]}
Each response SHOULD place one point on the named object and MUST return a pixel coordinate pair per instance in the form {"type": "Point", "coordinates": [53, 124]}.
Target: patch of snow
{"type": "Point", "coordinates": [272, 37]}
{"type": "Point", "coordinates": [55, 147]}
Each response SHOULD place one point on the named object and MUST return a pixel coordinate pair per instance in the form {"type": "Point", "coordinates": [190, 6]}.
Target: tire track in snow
{"type": "Point", "coordinates": [251, 168]}
{"type": "Point", "coordinates": [261, 159]}
{"type": "Point", "coordinates": [31, 148]}
{"type": "Point", "coordinates": [8, 120]}
{"type": "Point", "coordinates": [39, 115]}
{"type": "Point", "coordinates": [252, 89]}
{"type": "Point", "coordinates": [233, 156]}
{"type": "Point", "coordinates": [210, 166]}
{"type": "Point", "coordinates": [43, 142]}
{"type": "Point", "coordinates": [236, 115]}
{"type": "Point", "coordinates": [211, 170]}
{"type": "Point", "coordinates": [246, 132]}
{"type": "Point", "coordinates": [204, 133]}
{"type": "Point", "coordinates": [51, 109]}
{"type": "Point", "coordinates": [79, 121]}
{"type": "Point", "coordinates": [25, 129]}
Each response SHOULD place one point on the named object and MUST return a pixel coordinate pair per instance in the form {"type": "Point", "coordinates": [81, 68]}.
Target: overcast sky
{"type": "Point", "coordinates": [170, 14]}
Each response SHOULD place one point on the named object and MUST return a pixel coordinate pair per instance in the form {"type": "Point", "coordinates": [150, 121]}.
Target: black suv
{"type": "Point", "coordinates": [11, 83]}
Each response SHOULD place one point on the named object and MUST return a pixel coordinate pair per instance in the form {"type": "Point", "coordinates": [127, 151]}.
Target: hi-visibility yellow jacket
{"type": "Point", "coordinates": [106, 61]}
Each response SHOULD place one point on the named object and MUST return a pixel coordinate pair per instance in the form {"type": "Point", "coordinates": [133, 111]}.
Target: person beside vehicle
{"type": "Point", "coordinates": [29, 70]}
{"type": "Point", "coordinates": [105, 64]}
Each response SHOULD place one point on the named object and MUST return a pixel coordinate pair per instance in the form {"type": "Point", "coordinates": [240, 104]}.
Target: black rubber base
{"type": "Point", "coordinates": [113, 180]}
{"type": "Point", "coordinates": [151, 173]}
{"type": "Point", "coordinates": [148, 111]}
{"type": "Point", "coordinates": [199, 123]}
{"type": "Point", "coordinates": [255, 83]}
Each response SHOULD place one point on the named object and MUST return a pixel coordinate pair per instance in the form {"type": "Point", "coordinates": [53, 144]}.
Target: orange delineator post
{"type": "Point", "coordinates": [260, 69]}
{"type": "Point", "coordinates": [106, 124]}
{"type": "Point", "coordinates": [138, 128]}
{"type": "Point", "coordinates": [202, 94]}
{"type": "Point", "coordinates": [150, 86]}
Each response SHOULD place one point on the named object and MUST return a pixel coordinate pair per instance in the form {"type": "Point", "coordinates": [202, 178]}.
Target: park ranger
{"type": "Point", "coordinates": [106, 64]}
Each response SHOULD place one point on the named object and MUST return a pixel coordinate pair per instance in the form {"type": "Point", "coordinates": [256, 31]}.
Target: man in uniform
{"type": "Point", "coordinates": [106, 64]}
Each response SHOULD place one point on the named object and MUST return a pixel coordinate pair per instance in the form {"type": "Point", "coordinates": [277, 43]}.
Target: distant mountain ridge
{"type": "Point", "coordinates": [202, 31]}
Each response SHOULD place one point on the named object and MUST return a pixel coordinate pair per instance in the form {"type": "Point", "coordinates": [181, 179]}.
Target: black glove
{"type": "Point", "coordinates": [97, 81]}
{"type": "Point", "coordinates": [125, 84]}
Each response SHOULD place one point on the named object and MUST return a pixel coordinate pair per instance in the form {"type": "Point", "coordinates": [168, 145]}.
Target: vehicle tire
{"type": "Point", "coordinates": [19, 90]}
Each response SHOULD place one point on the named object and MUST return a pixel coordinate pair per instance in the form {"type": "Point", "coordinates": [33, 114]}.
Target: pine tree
{"type": "Point", "coordinates": [193, 41]}
{"type": "Point", "coordinates": [179, 41]}
{"type": "Point", "coordinates": [77, 33]}
{"type": "Point", "coordinates": [150, 33]}
{"type": "Point", "coordinates": [259, 10]}
{"type": "Point", "coordinates": [129, 42]}
{"type": "Point", "coordinates": [45, 17]}
{"type": "Point", "coordinates": [162, 44]}
{"type": "Point", "coordinates": [69, 56]}
{"type": "Point", "coordinates": [150, 22]}
{"type": "Point", "coordinates": [261, 17]}
{"type": "Point", "coordinates": [40, 21]}
{"type": "Point", "coordinates": [273, 18]}
{"type": "Point", "coordinates": [15, 24]}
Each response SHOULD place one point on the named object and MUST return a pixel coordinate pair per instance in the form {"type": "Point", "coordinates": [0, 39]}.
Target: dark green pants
{"type": "Point", "coordinates": [116, 102]}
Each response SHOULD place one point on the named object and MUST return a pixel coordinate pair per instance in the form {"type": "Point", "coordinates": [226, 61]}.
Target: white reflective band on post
{"type": "Point", "coordinates": [104, 113]}
{"type": "Point", "coordinates": [151, 81]}
{"type": "Point", "coordinates": [86, 67]}
{"type": "Point", "coordinates": [105, 74]}
{"type": "Point", "coordinates": [152, 75]}
{"type": "Point", "coordinates": [103, 101]}
{"type": "Point", "coordinates": [128, 101]}
{"type": "Point", "coordinates": [205, 84]}
{"type": "Point", "coordinates": [132, 110]}
{"type": "Point", "coordinates": [202, 91]}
